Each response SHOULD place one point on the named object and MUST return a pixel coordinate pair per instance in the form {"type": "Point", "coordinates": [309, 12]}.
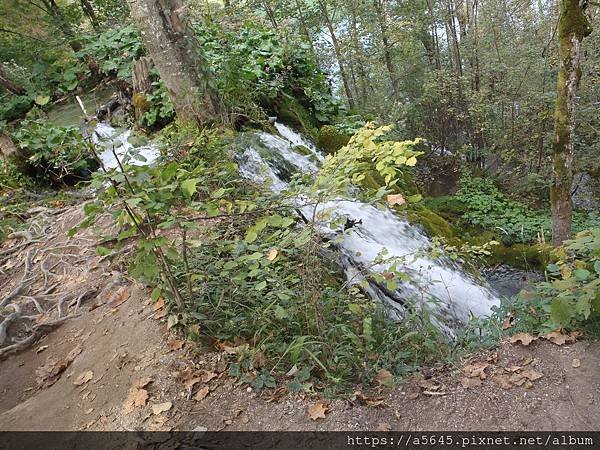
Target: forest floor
{"type": "Point", "coordinates": [113, 365]}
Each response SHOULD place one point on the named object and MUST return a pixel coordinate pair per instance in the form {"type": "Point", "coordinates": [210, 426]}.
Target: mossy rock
{"type": "Point", "coordinates": [433, 224]}
{"type": "Point", "coordinates": [447, 206]}
{"type": "Point", "coordinates": [294, 114]}
{"type": "Point", "coordinates": [330, 139]}
{"type": "Point", "coordinates": [524, 256]}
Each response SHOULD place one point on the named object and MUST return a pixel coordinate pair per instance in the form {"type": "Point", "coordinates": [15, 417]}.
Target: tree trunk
{"type": "Point", "coordinates": [88, 9]}
{"type": "Point", "coordinates": [7, 83]}
{"type": "Point", "coordinates": [182, 67]}
{"type": "Point", "coordinates": [573, 26]}
{"type": "Point", "coordinates": [141, 86]}
{"type": "Point", "coordinates": [338, 54]}
{"type": "Point", "coordinates": [387, 48]}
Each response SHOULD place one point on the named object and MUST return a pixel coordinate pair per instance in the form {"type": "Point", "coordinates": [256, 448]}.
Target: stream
{"type": "Point", "coordinates": [437, 285]}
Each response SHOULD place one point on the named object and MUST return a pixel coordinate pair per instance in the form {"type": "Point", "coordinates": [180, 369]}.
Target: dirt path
{"type": "Point", "coordinates": [116, 367]}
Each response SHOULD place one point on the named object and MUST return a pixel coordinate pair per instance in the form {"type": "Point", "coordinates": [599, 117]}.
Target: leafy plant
{"type": "Point", "coordinates": [58, 153]}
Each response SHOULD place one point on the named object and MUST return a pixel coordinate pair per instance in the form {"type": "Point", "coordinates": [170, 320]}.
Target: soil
{"type": "Point", "coordinates": [114, 365]}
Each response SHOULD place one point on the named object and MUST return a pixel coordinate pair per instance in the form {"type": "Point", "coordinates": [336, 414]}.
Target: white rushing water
{"type": "Point", "coordinates": [109, 138]}
{"type": "Point", "coordinates": [436, 284]}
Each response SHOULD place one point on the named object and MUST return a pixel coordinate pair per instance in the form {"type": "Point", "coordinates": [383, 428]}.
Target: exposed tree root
{"type": "Point", "coordinates": [7, 321]}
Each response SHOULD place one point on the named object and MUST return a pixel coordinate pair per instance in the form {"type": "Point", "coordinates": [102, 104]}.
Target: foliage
{"type": "Point", "coordinates": [235, 261]}
{"type": "Point", "coordinates": [367, 153]}
{"type": "Point", "coordinates": [58, 153]}
{"type": "Point", "coordinates": [257, 66]}
{"type": "Point", "coordinates": [160, 109]}
{"type": "Point", "coordinates": [490, 209]}
{"type": "Point", "coordinates": [11, 177]}
{"type": "Point", "coordinates": [114, 50]}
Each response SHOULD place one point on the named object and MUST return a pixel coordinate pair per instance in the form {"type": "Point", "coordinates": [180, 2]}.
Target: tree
{"type": "Point", "coordinates": [573, 26]}
{"type": "Point", "coordinates": [182, 67]}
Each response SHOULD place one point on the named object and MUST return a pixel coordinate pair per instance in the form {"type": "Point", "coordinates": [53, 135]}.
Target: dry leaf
{"type": "Point", "coordinates": [470, 383]}
{"type": "Point", "coordinates": [576, 363]}
{"type": "Point", "coordinates": [532, 374]}
{"type": "Point", "coordinates": [161, 408]}
{"type": "Point", "coordinates": [272, 254]}
{"type": "Point", "coordinates": [383, 426]}
{"type": "Point", "coordinates": [292, 371]}
{"type": "Point", "coordinates": [41, 349]}
{"type": "Point", "coordinates": [502, 381]}
{"type": "Point", "coordinates": [201, 394]}
{"type": "Point", "coordinates": [384, 377]}
{"type": "Point", "coordinates": [476, 370]}
{"type": "Point", "coordinates": [84, 378]}
{"type": "Point", "coordinates": [120, 297]}
{"type": "Point", "coordinates": [395, 199]}
{"type": "Point", "coordinates": [524, 338]}
{"type": "Point", "coordinates": [507, 323]}
{"type": "Point", "coordinates": [558, 338]}
{"type": "Point", "coordinates": [160, 304]}
{"type": "Point", "coordinates": [317, 410]}
{"type": "Point", "coordinates": [429, 385]}
{"type": "Point", "coordinates": [517, 379]}
{"type": "Point", "coordinates": [175, 344]}
{"type": "Point", "coordinates": [207, 376]}
{"type": "Point", "coordinates": [142, 383]}
{"type": "Point", "coordinates": [191, 382]}
{"type": "Point", "coordinates": [136, 397]}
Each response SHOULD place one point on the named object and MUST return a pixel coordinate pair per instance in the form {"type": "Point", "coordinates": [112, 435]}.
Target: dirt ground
{"type": "Point", "coordinates": [115, 366]}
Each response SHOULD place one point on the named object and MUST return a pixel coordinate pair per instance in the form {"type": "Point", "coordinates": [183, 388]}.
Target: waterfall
{"type": "Point", "coordinates": [437, 284]}
{"type": "Point", "coordinates": [109, 138]}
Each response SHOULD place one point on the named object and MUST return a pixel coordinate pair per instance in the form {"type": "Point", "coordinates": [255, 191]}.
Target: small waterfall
{"type": "Point", "coordinates": [107, 138]}
{"type": "Point", "coordinates": [438, 285]}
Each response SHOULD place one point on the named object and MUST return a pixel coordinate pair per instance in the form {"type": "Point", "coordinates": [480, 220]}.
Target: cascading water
{"type": "Point", "coordinates": [437, 284]}
{"type": "Point", "coordinates": [109, 139]}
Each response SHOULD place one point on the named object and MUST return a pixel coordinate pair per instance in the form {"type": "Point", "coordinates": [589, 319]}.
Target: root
{"type": "Point", "coordinates": [37, 332]}
{"type": "Point", "coordinates": [23, 284]}
{"type": "Point", "coordinates": [6, 322]}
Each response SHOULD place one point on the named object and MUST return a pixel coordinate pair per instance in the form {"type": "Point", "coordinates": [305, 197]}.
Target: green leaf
{"type": "Point", "coordinates": [561, 311]}
{"type": "Point", "coordinates": [251, 236]}
{"type": "Point", "coordinates": [260, 286]}
{"type": "Point", "coordinates": [414, 198]}
{"type": "Point", "coordinates": [597, 266]}
{"type": "Point", "coordinates": [156, 293]}
{"type": "Point", "coordinates": [42, 99]}
{"type": "Point", "coordinates": [102, 251]}
{"type": "Point", "coordinates": [188, 187]}
{"type": "Point", "coordinates": [581, 274]}
{"type": "Point", "coordinates": [218, 193]}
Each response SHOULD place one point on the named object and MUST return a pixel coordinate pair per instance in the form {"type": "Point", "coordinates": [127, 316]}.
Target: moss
{"type": "Point", "coordinates": [447, 206]}
{"type": "Point", "coordinates": [433, 224]}
{"type": "Point", "coordinates": [525, 256]}
{"type": "Point", "coordinates": [330, 139]}
{"type": "Point", "coordinates": [291, 112]}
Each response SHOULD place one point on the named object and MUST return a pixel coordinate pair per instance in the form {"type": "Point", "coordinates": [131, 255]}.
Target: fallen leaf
{"type": "Point", "coordinates": [558, 338]}
{"type": "Point", "coordinates": [194, 328]}
{"type": "Point", "coordinates": [160, 314]}
{"type": "Point", "coordinates": [470, 383]}
{"type": "Point", "coordinates": [175, 344]}
{"type": "Point", "coordinates": [524, 338]}
{"type": "Point", "coordinates": [272, 254]}
{"type": "Point", "coordinates": [292, 371]}
{"type": "Point", "coordinates": [576, 363]}
{"type": "Point", "coordinates": [201, 394]}
{"type": "Point", "coordinates": [142, 382]}
{"type": "Point", "coordinates": [317, 411]}
{"type": "Point", "coordinates": [161, 408]}
{"type": "Point", "coordinates": [517, 379]}
{"type": "Point", "coordinates": [429, 385]}
{"type": "Point", "coordinates": [160, 304]}
{"type": "Point", "coordinates": [41, 349]}
{"type": "Point", "coordinates": [395, 199]}
{"type": "Point", "coordinates": [502, 381]}
{"type": "Point", "coordinates": [383, 426]}
{"type": "Point", "coordinates": [50, 373]}
{"type": "Point", "coordinates": [191, 382]}
{"type": "Point", "coordinates": [476, 370]}
{"type": "Point", "coordinates": [135, 398]}
{"type": "Point", "coordinates": [384, 377]}
{"type": "Point", "coordinates": [507, 323]}
{"type": "Point", "coordinates": [119, 297]}
{"type": "Point", "coordinates": [532, 374]}
{"type": "Point", "coordinates": [83, 378]}
{"type": "Point", "coordinates": [207, 376]}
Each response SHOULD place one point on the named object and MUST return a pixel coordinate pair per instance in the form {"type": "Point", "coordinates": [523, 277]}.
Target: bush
{"type": "Point", "coordinates": [59, 154]}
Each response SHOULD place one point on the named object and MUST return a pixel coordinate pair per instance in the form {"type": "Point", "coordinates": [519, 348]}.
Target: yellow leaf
{"type": "Point", "coordinates": [272, 254]}
{"type": "Point", "coordinates": [317, 411]}
{"type": "Point", "coordinates": [395, 199]}
{"type": "Point", "coordinates": [201, 394]}
{"type": "Point", "coordinates": [412, 161]}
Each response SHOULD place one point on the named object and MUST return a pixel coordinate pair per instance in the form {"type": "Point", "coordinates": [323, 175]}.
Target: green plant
{"type": "Point", "coordinates": [235, 265]}
{"type": "Point", "coordinates": [59, 153]}
{"type": "Point", "coordinates": [160, 110]}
